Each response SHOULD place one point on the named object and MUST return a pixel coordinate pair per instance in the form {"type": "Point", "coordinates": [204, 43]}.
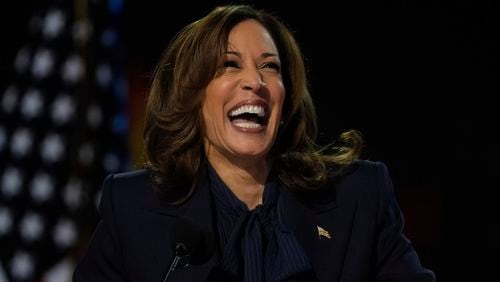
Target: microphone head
{"type": "Point", "coordinates": [186, 236]}
{"type": "Point", "coordinates": [190, 240]}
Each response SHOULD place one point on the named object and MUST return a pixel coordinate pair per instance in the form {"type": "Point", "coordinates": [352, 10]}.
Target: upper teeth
{"type": "Point", "coordinates": [248, 109]}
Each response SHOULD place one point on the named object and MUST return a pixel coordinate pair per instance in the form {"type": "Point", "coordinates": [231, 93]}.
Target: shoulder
{"type": "Point", "coordinates": [129, 182]}
{"type": "Point", "coordinates": [362, 183]}
{"type": "Point", "coordinates": [130, 188]}
{"type": "Point", "coordinates": [364, 176]}
{"type": "Point", "coordinates": [364, 173]}
{"type": "Point", "coordinates": [129, 179]}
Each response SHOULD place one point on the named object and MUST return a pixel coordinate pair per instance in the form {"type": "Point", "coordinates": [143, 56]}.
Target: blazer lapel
{"type": "Point", "coordinates": [198, 208]}
{"type": "Point", "coordinates": [322, 227]}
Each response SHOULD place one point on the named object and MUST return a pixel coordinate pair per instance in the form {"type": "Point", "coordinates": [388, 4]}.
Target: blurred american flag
{"type": "Point", "coordinates": [63, 127]}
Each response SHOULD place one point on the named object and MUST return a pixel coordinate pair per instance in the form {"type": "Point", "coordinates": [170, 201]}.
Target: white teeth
{"type": "Point", "coordinates": [248, 109]}
{"type": "Point", "coordinates": [247, 124]}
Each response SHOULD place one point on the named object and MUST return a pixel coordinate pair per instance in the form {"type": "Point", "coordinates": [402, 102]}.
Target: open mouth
{"type": "Point", "coordinates": [249, 116]}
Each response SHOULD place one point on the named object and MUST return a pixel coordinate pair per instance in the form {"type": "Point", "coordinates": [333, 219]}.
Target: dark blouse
{"type": "Point", "coordinates": [255, 246]}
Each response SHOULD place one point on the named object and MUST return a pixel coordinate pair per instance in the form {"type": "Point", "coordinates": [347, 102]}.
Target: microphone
{"type": "Point", "coordinates": [191, 244]}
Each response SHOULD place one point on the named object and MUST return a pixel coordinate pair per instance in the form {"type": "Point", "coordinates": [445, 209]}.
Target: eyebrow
{"type": "Point", "coordinates": [263, 55]}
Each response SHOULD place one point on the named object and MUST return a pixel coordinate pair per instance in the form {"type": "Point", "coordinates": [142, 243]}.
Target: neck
{"type": "Point", "coordinates": [245, 178]}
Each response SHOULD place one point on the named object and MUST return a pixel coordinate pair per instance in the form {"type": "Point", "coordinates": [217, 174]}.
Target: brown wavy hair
{"type": "Point", "coordinates": [173, 130]}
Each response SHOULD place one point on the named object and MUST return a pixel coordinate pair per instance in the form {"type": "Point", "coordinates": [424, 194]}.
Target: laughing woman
{"type": "Point", "coordinates": [235, 188]}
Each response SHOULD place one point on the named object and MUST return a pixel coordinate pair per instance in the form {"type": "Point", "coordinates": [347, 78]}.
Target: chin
{"type": "Point", "coordinates": [252, 155]}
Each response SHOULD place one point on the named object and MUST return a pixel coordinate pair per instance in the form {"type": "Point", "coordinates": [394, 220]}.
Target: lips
{"type": "Point", "coordinates": [249, 114]}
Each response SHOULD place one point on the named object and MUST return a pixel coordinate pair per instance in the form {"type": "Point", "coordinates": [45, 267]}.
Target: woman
{"type": "Point", "coordinates": [236, 189]}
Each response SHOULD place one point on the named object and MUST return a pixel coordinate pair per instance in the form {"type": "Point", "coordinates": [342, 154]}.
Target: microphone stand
{"type": "Point", "coordinates": [180, 252]}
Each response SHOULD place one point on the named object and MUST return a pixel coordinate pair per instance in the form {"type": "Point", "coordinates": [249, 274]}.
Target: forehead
{"type": "Point", "coordinates": [251, 33]}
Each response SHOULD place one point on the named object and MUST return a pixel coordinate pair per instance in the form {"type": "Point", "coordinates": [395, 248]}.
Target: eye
{"type": "Point", "coordinates": [272, 65]}
{"type": "Point", "coordinates": [231, 64]}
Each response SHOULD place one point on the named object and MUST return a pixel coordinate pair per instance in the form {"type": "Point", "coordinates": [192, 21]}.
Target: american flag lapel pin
{"type": "Point", "coordinates": [323, 232]}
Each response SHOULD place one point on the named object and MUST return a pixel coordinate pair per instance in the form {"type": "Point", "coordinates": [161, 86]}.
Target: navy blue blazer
{"type": "Point", "coordinates": [133, 240]}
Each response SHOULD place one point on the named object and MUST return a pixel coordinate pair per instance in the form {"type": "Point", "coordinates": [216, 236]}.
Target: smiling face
{"type": "Point", "coordinates": [242, 104]}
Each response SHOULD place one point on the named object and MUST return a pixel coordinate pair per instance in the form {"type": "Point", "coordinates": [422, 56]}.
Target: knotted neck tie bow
{"type": "Point", "coordinates": [255, 245]}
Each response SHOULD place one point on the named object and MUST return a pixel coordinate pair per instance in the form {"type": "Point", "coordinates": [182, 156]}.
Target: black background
{"type": "Point", "coordinates": [419, 80]}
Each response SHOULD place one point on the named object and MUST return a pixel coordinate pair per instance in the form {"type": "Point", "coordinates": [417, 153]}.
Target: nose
{"type": "Point", "coordinates": [252, 80]}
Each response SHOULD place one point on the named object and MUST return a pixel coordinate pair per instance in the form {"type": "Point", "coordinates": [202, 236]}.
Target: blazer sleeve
{"type": "Point", "coordinates": [103, 260]}
{"type": "Point", "coordinates": [397, 260]}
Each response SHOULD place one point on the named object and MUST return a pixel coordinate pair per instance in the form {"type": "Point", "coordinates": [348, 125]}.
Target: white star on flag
{"type": "Point", "coordinates": [22, 266]}
{"type": "Point", "coordinates": [63, 109]}
{"type": "Point", "coordinates": [31, 226]}
{"type": "Point", "coordinates": [11, 182]}
{"type": "Point", "coordinates": [42, 187]}
{"type": "Point", "coordinates": [64, 233]}
{"type": "Point", "coordinates": [43, 63]}
{"type": "Point", "coordinates": [31, 105]}
{"type": "Point", "coordinates": [22, 141]}
{"type": "Point", "coordinates": [5, 220]}
{"type": "Point", "coordinates": [73, 193]}
{"type": "Point", "coordinates": [72, 69]}
{"type": "Point", "coordinates": [22, 60]}
{"type": "Point", "coordinates": [52, 148]}
{"type": "Point", "coordinates": [9, 99]}
{"type": "Point", "coordinates": [53, 24]}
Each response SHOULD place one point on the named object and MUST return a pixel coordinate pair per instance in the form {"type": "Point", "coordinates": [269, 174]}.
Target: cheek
{"type": "Point", "coordinates": [279, 96]}
{"type": "Point", "coordinates": [212, 111]}
{"type": "Point", "coordinates": [213, 115]}
{"type": "Point", "coordinates": [207, 114]}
